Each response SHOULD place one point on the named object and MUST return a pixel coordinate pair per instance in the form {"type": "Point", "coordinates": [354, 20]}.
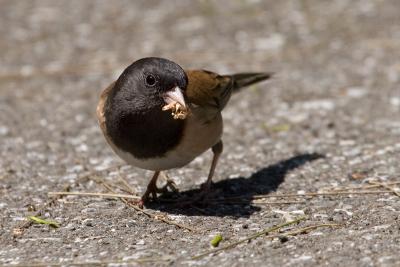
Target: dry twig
{"type": "Point", "coordinates": [143, 211]}
{"type": "Point", "coordinates": [358, 187]}
{"type": "Point", "coordinates": [314, 194]}
{"type": "Point", "coordinates": [304, 230]}
{"type": "Point", "coordinates": [19, 230]}
{"type": "Point", "coordinates": [264, 232]}
{"type": "Point", "coordinates": [107, 195]}
{"type": "Point", "coordinates": [126, 184]}
{"type": "Point", "coordinates": [384, 185]}
{"type": "Point", "coordinates": [253, 236]}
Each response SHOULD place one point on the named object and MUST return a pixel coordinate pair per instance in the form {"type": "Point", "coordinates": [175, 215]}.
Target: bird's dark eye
{"type": "Point", "coordinates": [150, 80]}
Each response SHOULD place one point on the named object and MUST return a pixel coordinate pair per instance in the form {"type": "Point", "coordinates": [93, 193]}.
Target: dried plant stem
{"type": "Point", "coordinates": [108, 195]}
{"type": "Point", "coordinates": [360, 187]}
{"type": "Point", "coordinates": [259, 202]}
{"type": "Point", "coordinates": [126, 184]}
{"type": "Point", "coordinates": [290, 233]}
{"type": "Point", "coordinates": [19, 230]}
{"type": "Point", "coordinates": [237, 200]}
{"type": "Point", "coordinates": [279, 202]}
{"type": "Point", "coordinates": [253, 236]}
{"type": "Point", "coordinates": [143, 211]}
{"type": "Point", "coordinates": [384, 185]}
{"type": "Point", "coordinates": [313, 194]}
{"type": "Point", "coordinates": [309, 228]}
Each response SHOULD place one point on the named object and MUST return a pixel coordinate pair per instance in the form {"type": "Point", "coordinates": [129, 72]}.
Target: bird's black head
{"type": "Point", "coordinates": [147, 82]}
{"type": "Point", "coordinates": [133, 112]}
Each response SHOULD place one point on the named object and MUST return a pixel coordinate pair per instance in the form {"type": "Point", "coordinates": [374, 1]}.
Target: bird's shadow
{"type": "Point", "coordinates": [242, 189]}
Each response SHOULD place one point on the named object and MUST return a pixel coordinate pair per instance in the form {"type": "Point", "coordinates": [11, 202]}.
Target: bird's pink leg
{"type": "Point", "coordinates": [201, 198]}
{"type": "Point", "coordinates": [217, 150]}
{"type": "Point", "coordinates": [151, 189]}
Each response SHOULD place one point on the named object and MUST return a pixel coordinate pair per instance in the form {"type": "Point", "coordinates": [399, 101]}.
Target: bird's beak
{"type": "Point", "coordinates": [175, 95]}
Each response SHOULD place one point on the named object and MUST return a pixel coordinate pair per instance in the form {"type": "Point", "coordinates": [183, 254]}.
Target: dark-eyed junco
{"type": "Point", "coordinates": [157, 116]}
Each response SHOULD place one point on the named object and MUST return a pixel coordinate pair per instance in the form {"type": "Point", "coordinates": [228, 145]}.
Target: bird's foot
{"type": "Point", "coordinates": [152, 191]}
{"type": "Point", "coordinates": [170, 184]}
{"type": "Point", "coordinates": [169, 187]}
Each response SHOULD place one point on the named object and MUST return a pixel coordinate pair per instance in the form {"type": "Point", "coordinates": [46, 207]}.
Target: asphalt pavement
{"type": "Point", "coordinates": [326, 125]}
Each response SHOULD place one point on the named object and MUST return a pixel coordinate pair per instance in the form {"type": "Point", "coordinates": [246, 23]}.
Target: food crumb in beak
{"type": "Point", "coordinates": [175, 101]}
{"type": "Point", "coordinates": [179, 112]}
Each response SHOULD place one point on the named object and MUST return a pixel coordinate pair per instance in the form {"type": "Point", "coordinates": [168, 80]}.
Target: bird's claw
{"type": "Point", "coordinates": [169, 185]}
{"type": "Point", "coordinates": [152, 191]}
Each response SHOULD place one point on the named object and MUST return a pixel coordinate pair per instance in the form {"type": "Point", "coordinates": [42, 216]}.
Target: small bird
{"type": "Point", "coordinates": [158, 116]}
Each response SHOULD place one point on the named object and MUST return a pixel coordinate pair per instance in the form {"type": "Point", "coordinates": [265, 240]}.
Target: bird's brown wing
{"type": "Point", "coordinates": [207, 88]}
{"type": "Point", "coordinates": [100, 107]}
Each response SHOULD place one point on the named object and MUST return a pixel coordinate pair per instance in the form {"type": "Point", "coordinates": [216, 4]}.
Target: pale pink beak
{"type": "Point", "coordinates": [175, 95]}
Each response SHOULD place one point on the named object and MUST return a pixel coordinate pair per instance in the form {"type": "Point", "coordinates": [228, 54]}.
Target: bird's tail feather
{"type": "Point", "coordinates": [241, 80]}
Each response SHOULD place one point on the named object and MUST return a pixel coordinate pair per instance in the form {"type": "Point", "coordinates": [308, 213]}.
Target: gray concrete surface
{"type": "Point", "coordinates": [336, 93]}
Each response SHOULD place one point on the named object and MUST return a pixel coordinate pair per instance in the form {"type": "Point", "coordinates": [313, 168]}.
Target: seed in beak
{"type": "Point", "coordinates": [176, 102]}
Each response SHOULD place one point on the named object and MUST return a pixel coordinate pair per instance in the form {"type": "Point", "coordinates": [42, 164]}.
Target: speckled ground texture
{"type": "Point", "coordinates": [329, 118]}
